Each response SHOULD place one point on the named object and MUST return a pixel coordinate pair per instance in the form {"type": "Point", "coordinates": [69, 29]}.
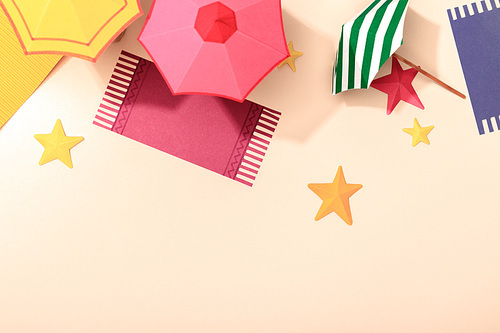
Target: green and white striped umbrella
{"type": "Point", "coordinates": [366, 42]}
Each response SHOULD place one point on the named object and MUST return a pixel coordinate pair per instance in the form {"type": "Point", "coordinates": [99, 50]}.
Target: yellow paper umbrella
{"type": "Point", "coordinates": [80, 28]}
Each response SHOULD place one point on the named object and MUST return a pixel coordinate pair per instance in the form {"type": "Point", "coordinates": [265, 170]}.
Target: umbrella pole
{"type": "Point", "coordinates": [430, 76]}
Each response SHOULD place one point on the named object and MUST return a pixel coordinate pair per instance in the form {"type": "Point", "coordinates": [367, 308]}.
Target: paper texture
{"type": "Point", "coordinates": [20, 75]}
{"type": "Point", "coordinates": [221, 135]}
{"type": "Point", "coordinates": [419, 133]}
{"type": "Point", "coordinates": [218, 49]}
{"type": "Point", "coordinates": [398, 87]}
{"type": "Point", "coordinates": [57, 145]}
{"type": "Point", "coordinates": [335, 196]}
{"type": "Point", "coordinates": [366, 42]}
{"type": "Point", "coordinates": [477, 37]}
{"type": "Point", "coordinates": [69, 27]}
{"type": "Point", "coordinates": [290, 61]}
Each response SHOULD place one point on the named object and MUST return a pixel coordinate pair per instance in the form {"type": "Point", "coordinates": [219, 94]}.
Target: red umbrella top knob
{"type": "Point", "coordinates": [215, 22]}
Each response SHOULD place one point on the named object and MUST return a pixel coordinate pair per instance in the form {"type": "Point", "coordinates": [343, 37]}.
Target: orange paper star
{"type": "Point", "coordinates": [335, 197]}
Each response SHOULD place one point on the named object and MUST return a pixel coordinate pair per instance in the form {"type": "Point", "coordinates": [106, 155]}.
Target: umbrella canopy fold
{"type": "Point", "coordinates": [221, 48]}
{"type": "Point", "coordinates": [366, 42]}
{"type": "Point", "coordinates": [70, 27]}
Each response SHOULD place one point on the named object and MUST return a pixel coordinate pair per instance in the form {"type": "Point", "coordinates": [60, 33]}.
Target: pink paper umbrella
{"type": "Point", "coordinates": [221, 48]}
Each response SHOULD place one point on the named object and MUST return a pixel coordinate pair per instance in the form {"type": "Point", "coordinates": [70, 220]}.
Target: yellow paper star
{"type": "Point", "coordinates": [57, 145]}
{"type": "Point", "coordinates": [335, 197]}
{"type": "Point", "coordinates": [419, 133]}
{"type": "Point", "coordinates": [291, 59]}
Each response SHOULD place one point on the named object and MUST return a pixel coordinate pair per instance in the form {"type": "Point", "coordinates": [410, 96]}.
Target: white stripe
{"type": "Point", "coordinates": [126, 78]}
{"type": "Point", "coordinates": [261, 137]}
{"type": "Point", "coordinates": [105, 116]}
{"type": "Point", "coordinates": [453, 14]}
{"type": "Point", "coordinates": [245, 178]}
{"type": "Point", "coordinates": [276, 113]}
{"type": "Point", "coordinates": [258, 152]}
{"type": "Point", "coordinates": [119, 101]}
{"type": "Point", "coordinates": [267, 120]}
{"type": "Point", "coordinates": [462, 12]}
{"type": "Point", "coordinates": [255, 142]}
{"type": "Point", "coordinates": [345, 54]}
{"type": "Point", "coordinates": [126, 70]}
{"type": "Point", "coordinates": [471, 10]}
{"type": "Point", "coordinates": [116, 110]}
{"type": "Point", "coordinates": [265, 130]}
{"type": "Point", "coordinates": [334, 81]}
{"type": "Point", "coordinates": [108, 126]}
{"type": "Point", "coordinates": [136, 62]}
{"type": "Point", "coordinates": [114, 107]}
{"type": "Point", "coordinates": [398, 35]}
{"type": "Point", "coordinates": [262, 122]}
{"type": "Point", "coordinates": [379, 40]}
{"type": "Point", "coordinates": [120, 93]}
{"type": "Point", "coordinates": [251, 167]}
{"type": "Point", "coordinates": [478, 6]}
{"type": "Point", "coordinates": [241, 180]}
{"type": "Point", "coordinates": [112, 113]}
{"type": "Point", "coordinates": [252, 144]}
{"type": "Point", "coordinates": [485, 126]}
{"type": "Point", "coordinates": [122, 90]}
{"type": "Point", "coordinates": [360, 48]}
{"type": "Point", "coordinates": [494, 123]}
{"type": "Point", "coordinates": [251, 159]}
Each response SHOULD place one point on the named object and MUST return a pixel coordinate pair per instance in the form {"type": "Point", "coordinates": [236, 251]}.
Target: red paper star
{"type": "Point", "coordinates": [397, 86]}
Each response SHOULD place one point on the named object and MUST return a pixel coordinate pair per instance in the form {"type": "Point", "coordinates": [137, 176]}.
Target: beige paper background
{"type": "Point", "coordinates": [134, 240]}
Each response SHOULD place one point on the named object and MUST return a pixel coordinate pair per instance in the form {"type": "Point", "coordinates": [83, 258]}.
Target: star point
{"type": "Point", "coordinates": [398, 87]}
{"type": "Point", "coordinates": [57, 145]}
{"type": "Point", "coordinates": [419, 133]}
{"type": "Point", "coordinates": [291, 59]}
{"type": "Point", "coordinates": [335, 197]}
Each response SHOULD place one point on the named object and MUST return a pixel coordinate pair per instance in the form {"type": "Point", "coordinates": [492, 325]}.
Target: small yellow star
{"type": "Point", "coordinates": [335, 197]}
{"type": "Point", "coordinates": [291, 59]}
{"type": "Point", "coordinates": [419, 133]}
{"type": "Point", "coordinates": [57, 145]}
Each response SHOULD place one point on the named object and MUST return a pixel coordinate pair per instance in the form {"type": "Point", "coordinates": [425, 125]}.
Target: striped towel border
{"type": "Point", "coordinates": [473, 8]}
{"type": "Point", "coordinates": [116, 90]}
{"type": "Point", "coordinates": [257, 147]}
{"type": "Point", "coordinates": [115, 94]}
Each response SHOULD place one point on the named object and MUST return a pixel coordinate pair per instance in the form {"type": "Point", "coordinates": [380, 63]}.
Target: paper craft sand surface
{"type": "Point", "coordinates": [221, 135]}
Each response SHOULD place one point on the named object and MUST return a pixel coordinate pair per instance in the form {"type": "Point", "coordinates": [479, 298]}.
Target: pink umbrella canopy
{"type": "Point", "coordinates": [221, 48]}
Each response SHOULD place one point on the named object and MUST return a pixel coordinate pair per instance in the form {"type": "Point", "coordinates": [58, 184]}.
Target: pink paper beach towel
{"type": "Point", "coordinates": [221, 135]}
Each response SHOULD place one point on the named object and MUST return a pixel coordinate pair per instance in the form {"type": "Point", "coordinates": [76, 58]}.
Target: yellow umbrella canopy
{"type": "Point", "coordinates": [81, 28]}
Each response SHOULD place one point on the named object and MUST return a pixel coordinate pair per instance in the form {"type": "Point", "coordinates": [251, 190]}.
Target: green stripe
{"type": "Point", "coordinates": [389, 35]}
{"type": "Point", "coordinates": [353, 42]}
{"type": "Point", "coordinates": [338, 69]}
{"type": "Point", "coordinates": [370, 42]}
